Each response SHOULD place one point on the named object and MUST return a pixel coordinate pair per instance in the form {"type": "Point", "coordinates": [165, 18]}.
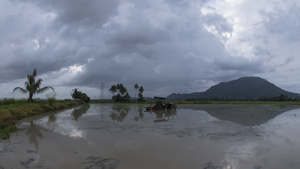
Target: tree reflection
{"type": "Point", "coordinates": [162, 115]}
{"type": "Point", "coordinates": [139, 114]}
{"type": "Point", "coordinates": [34, 131]}
{"type": "Point", "coordinates": [52, 118]}
{"type": "Point", "coordinates": [119, 113]}
{"type": "Point", "coordinates": [77, 113]}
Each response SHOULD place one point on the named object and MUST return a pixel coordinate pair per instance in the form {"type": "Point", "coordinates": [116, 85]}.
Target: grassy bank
{"type": "Point", "coordinates": [11, 113]}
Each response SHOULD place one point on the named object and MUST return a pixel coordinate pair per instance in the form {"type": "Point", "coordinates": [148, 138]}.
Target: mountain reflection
{"type": "Point", "coordinates": [246, 115]}
{"type": "Point", "coordinates": [119, 113]}
{"type": "Point", "coordinates": [77, 113]}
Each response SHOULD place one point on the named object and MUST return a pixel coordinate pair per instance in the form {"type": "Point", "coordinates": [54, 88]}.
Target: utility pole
{"type": "Point", "coordinates": [102, 91]}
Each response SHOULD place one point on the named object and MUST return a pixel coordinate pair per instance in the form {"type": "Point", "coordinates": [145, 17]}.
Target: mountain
{"type": "Point", "coordinates": [240, 89]}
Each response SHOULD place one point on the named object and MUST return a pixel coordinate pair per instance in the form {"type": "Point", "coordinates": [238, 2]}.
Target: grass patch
{"type": "Point", "coordinates": [5, 132]}
{"type": "Point", "coordinates": [10, 113]}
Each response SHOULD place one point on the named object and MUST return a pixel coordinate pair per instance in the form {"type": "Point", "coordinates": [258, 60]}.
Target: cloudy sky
{"type": "Point", "coordinates": [166, 46]}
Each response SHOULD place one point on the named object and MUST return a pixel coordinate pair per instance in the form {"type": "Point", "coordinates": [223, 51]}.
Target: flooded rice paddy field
{"type": "Point", "coordinates": [108, 136]}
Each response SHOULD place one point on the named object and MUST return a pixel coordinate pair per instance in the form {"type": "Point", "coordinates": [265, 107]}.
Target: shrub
{"type": "Point", "coordinates": [5, 132]}
{"type": "Point", "coordinates": [6, 118]}
{"type": "Point", "coordinates": [51, 99]}
{"type": "Point", "coordinates": [7, 101]}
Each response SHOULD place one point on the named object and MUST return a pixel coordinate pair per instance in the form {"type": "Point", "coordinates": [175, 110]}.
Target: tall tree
{"type": "Point", "coordinates": [76, 94]}
{"type": "Point", "coordinates": [32, 86]}
{"type": "Point", "coordinates": [122, 95]}
{"type": "Point", "coordinates": [141, 98]}
{"type": "Point", "coordinates": [113, 89]}
{"type": "Point", "coordinates": [136, 87]}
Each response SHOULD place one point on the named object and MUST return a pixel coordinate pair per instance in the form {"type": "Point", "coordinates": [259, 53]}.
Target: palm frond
{"type": "Point", "coordinates": [37, 84]}
{"type": "Point", "coordinates": [20, 89]}
{"type": "Point", "coordinates": [41, 90]}
{"type": "Point", "coordinates": [34, 73]}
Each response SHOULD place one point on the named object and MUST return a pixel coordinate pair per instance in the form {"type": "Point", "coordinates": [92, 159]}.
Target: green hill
{"type": "Point", "coordinates": [240, 89]}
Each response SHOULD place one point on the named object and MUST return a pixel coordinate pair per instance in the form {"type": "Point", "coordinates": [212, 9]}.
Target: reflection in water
{"type": "Point", "coordinates": [163, 115]}
{"type": "Point", "coordinates": [52, 118]}
{"type": "Point", "coordinates": [191, 138]}
{"type": "Point", "coordinates": [77, 113]}
{"type": "Point", "coordinates": [34, 131]}
{"type": "Point", "coordinates": [139, 115]}
{"type": "Point", "coordinates": [119, 113]}
{"type": "Point", "coordinates": [212, 166]}
{"type": "Point", "coordinates": [247, 115]}
{"type": "Point", "coordinates": [100, 162]}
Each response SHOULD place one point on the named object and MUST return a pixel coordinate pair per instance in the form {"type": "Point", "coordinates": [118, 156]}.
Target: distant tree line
{"type": "Point", "coordinates": [120, 93]}
{"type": "Point", "coordinates": [279, 98]}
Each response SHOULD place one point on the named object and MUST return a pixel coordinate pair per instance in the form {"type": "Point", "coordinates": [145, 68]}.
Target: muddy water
{"type": "Point", "coordinates": [110, 136]}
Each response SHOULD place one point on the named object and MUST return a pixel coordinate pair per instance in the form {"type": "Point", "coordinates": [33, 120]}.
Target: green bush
{"type": "Point", "coordinates": [51, 99]}
{"type": "Point", "coordinates": [5, 132]}
{"type": "Point", "coordinates": [6, 118]}
{"type": "Point", "coordinates": [7, 101]}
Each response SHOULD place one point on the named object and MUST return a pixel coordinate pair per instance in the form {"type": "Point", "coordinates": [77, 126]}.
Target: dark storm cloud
{"type": "Point", "coordinates": [166, 45]}
{"type": "Point", "coordinates": [50, 35]}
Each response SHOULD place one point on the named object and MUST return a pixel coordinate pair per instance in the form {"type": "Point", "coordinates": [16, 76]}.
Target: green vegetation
{"type": "Point", "coordinates": [136, 88]}
{"type": "Point", "coordinates": [51, 99]}
{"type": "Point", "coordinates": [78, 95]}
{"type": "Point", "coordinates": [5, 132]}
{"type": "Point", "coordinates": [11, 113]}
{"type": "Point", "coordinates": [12, 110]}
{"type": "Point", "coordinates": [141, 98]}
{"type": "Point", "coordinates": [141, 90]}
{"type": "Point", "coordinates": [122, 95]}
{"type": "Point", "coordinates": [242, 89]}
{"type": "Point", "coordinates": [32, 87]}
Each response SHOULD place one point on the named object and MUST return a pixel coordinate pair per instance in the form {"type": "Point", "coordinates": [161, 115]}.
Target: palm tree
{"type": "Point", "coordinates": [32, 87]}
{"type": "Point", "coordinates": [141, 90]}
{"type": "Point", "coordinates": [76, 94]}
{"type": "Point", "coordinates": [113, 89]}
{"type": "Point", "coordinates": [136, 87]}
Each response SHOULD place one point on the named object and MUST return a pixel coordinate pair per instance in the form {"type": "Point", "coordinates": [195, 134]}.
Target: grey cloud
{"type": "Point", "coordinates": [240, 64]}
{"type": "Point", "coordinates": [283, 22]}
{"type": "Point", "coordinates": [160, 44]}
{"type": "Point", "coordinates": [76, 13]}
{"type": "Point", "coordinates": [63, 39]}
{"type": "Point", "coordinates": [219, 22]}
{"type": "Point", "coordinates": [154, 52]}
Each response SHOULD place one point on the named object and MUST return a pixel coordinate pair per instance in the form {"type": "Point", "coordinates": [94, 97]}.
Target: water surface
{"type": "Point", "coordinates": [111, 136]}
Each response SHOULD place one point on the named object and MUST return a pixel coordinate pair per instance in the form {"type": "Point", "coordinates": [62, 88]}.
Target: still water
{"type": "Point", "coordinates": [108, 136]}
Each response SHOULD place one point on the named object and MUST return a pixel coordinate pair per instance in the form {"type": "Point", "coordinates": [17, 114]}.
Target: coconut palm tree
{"type": "Point", "coordinates": [136, 87]}
{"type": "Point", "coordinates": [141, 98]}
{"type": "Point", "coordinates": [32, 87]}
{"type": "Point", "coordinates": [113, 89]}
{"type": "Point", "coordinates": [76, 94]}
